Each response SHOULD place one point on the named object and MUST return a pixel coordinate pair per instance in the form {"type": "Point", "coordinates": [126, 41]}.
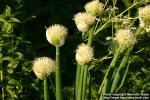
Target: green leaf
{"type": "Point", "coordinates": [13, 64]}
{"type": "Point", "coordinates": [1, 55]}
{"type": "Point", "coordinates": [13, 82]}
{"type": "Point", "coordinates": [14, 20]}
{"type": "Point", "coordinates": [7, 12]}
{"type": "Point", "coordinates": [10, 71]}
{"type": "Point", "coordinates": [2, 20]}
{"type": "Point", "coordinates": [7, 27]}
{"type": "Point", "coordinates": [5, 58]}
{"type": "Point", "coordinates": [19, 55]}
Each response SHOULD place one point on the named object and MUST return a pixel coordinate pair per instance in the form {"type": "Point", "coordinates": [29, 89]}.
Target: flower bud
{"type": "Point", "coordinates": [84, 21]}
{"type": "Point", "coordinates": [144, 17]}
{"type": "Point", "coordinates": [94, 7]}
{"type": "Point", "coordinates": [56, 35]}
{"type": "Point", "coordinates": [125, 38]}
{"type": "Point", "coordinates": [84, 54]}
{"type": "Point", "coordinates": [43, 67]}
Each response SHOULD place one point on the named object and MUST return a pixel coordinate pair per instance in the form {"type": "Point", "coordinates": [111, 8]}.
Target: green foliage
{"type": "Point", "coordinates": [13, 65]}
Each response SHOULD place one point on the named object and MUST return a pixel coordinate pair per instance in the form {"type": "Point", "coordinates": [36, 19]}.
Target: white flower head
{"type": "Point", "coordinates": [83, 21]}
{"type": "Point", "coordinates": [125, 38]}
{"type": "Point", "coordinates": [94, 7]}
{"type": "Point", "coordinates": [84, 17]}
{"type": "Point", "coordinates": [84, 54]}
{"type": "Point", "coordinates": [144, 17]}
{"type": "Point", "coordinates": [56, 35]}
{"type": "Point", "coordinates": [43, 67]}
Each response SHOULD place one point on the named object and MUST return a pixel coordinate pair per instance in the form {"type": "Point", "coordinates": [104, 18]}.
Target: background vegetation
{"type": "Point", "coordinates": [22, 38]}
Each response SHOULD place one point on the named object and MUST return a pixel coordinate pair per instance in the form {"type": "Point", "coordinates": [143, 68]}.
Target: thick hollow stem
{"type": "Point", "coordinates": [122, 66]}
{"type": "Point", "coordinates": [111, 67]}
{"type": "Point", "coordinates": [77, 78]}
{"type": "Point", "coordinates": [58, 76]}
{"type": "Point", "coordinates": [103, 90]}
{"type": "Point", "coordinates": [79, 95]}
{"type": "Point", "coordinates": [46, 92]}
{"type": "Point", "coordinates": [84, 82]}
{"type": "Point", "coordinates": [123, 79]}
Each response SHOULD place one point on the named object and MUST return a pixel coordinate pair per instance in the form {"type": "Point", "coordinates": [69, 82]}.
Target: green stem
{"type": "Point", "coordinates": [108, 23]}
{"type": "Point", "coordinates": [3, 93]}
{"type": "Point", "coordinates": [113, 14]}
{"type": "Point", "coordinates": [124, 77]}
{"type": "Point", "coordinates": [53, 87]}
{"type": "Point", "coordinates": [77, 78]}
{"type": "Point", "coordinates": [90, 38]}
{"type": "Point", "coordinates": [111, 67]}
{"type": "Point", "coordinates": [46, 92]}
{"type": "Point", "coordinates": [121, 67]}
{"type": "Point", "coordinates": [58, 76]}
{"type": "Point", "coordinates": [79, 95]}
{"type": "Point", "coordinates": [103, 91]}
{"type": "Point", "coordinates": [89, 90]}
{"type": "Point", "coordinates": [84, 82]}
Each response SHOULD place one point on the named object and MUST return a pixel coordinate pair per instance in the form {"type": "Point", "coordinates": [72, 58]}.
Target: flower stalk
{"type": "Point", "coordinates": [84, 81]}
{"type": "Point", "coordinates": [123, 79]}
{"type": "Point", "coordinates": [78, 72]}
{"type": "Point", "coordinates": [80, 87]}
{"type": "Point", "coordinates": [58, 76]}
{"type": "Point", "coordinates": [56, 35]}
{"type": "Point", "coordinates": [121, 67]}
{"type": "Point", "coordinates": [46, 91]}
{"type": "Point", "coordinates": [109, 70]}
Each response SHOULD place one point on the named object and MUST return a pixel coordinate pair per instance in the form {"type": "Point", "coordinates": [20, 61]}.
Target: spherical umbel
{"type": "Point", "coordinates": [94, 7]}
{"type": "Point", "coordinates": [84, 21]}
{"type": "Point", "coordinates": [144, 16]}
{"type": "Point", "coordinates": [125, 38]}
{"type": "Point", "coordinates": [43, 67]}
{"type": "Point", "coordinates": [84, 54]}
{"type": "Point", "coordinates": [56, 35]}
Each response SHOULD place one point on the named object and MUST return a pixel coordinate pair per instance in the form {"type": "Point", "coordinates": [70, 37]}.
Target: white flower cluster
{"type": "Point", "coordinates": [84, 54]}
{"type": "Point", "coordinates": [125, 38]}
{"type": "Point", "coordinates": [43, 67]}
{"type": "Point", "coordinates": [83, 21]}
{"type": "Point", "coordinates": [56, 35]}
{"type": "Point", "coordinates": [144, 16]}
{"type": "Point", "coordinates": [94, 7]}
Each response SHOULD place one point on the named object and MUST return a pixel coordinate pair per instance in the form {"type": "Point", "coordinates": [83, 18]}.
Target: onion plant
{"type": "Point", "coordinates": [123, 64]}
{"type": "Point", "coordinates": [56, 35]}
